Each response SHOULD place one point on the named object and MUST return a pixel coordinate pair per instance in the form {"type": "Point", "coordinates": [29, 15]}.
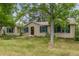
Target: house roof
{"type": "Point", "coordinates": [42, 23]}
{"type": "Point", "coordinates": [70, 20]}
{"type": "Point", "coordinates": [39, 23]}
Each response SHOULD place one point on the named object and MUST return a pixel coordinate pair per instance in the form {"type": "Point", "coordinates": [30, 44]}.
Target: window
{"type": "Point", "coordinates": [60, 29]}
{"type": "Point", "coordinates": [9, 30]}
{"type": "Point", "coordinates": [57, 29]}
{"type": "Point", "coordinates": [68, 29]}
{"type": "Point", "coordinates": [43, 29]}
{"type": "Point", "coordinates": [26, 29]}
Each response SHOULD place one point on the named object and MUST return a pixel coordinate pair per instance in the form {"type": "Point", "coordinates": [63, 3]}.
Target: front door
{"type": "Point", "coordinates": [32, 30]}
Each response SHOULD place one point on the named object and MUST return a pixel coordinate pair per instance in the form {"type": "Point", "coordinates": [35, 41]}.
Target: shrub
{"type": "Point", "coordinates": [77, 33]}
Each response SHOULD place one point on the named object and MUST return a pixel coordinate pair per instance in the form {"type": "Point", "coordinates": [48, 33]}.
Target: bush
{"type": "Point", "coordinates": [77, 34]}
{"type": "Point", "coordinates": [47, 35]}
{"type": "Point", "coordinates": [77, 37]}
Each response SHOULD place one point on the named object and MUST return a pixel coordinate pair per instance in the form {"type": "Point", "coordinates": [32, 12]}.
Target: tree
{"type": "Point", "coordinates": [19, 17]}
{"type": "Point", "coordinates": [6, 18]}
{"type": "Point", "coordinates": [55, 12]}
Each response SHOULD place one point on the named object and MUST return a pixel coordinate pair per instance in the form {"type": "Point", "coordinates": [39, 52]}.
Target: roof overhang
{"type": "Point", "coordinates": [38, 23]}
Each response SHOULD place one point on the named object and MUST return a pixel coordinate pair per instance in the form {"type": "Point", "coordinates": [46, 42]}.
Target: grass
{"type": "Point", "coordinates": [37, 46]}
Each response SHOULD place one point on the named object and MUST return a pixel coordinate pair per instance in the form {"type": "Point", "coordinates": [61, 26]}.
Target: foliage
{"type": "Point", "coordinates": [6, 11]}
{"type": "Point", "coordinates": [77, 31]}
{"type": "Point", "coordinates": [61, 11]}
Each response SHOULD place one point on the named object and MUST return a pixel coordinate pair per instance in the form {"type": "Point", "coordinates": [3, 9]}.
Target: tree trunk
{"type": "Point", "coordinates": [51, 34]}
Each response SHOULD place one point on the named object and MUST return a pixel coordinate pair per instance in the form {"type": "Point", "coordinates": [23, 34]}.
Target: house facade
{"type": "Point", "coordinates": [43, 29]}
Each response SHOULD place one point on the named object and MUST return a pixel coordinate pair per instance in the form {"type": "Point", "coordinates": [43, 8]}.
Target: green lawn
{"type": "Point", "coordinates": [37, 46]}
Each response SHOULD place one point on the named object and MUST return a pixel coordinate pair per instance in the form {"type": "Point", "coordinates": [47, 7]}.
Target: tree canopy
{"type": "Point", "coordinates": [6, 11]}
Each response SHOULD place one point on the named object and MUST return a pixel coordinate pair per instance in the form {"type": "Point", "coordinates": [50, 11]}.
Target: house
{"type": "Point", "coordinates": [43, 29]}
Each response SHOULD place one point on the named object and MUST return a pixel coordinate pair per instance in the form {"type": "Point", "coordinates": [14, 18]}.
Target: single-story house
{"type": "Point", "coordinates": [43, 29]}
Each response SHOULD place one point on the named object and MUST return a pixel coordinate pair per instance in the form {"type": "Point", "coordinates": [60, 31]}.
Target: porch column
{"type": "Point", "coordinates": [15, 31]}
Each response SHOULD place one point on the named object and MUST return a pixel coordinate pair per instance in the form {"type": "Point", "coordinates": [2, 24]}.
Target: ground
{"type": "Point", "coordinates": [37, 46]}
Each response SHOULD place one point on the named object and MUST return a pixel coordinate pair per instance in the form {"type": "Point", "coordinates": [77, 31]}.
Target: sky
{"type": "Point", "coordinates": [77, 6]}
